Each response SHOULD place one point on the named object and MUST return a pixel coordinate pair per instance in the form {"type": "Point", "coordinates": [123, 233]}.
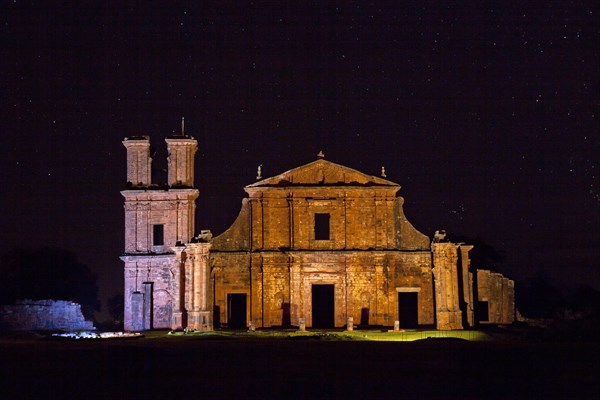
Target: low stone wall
{"type": "Point", "coordinates": [30, 315]}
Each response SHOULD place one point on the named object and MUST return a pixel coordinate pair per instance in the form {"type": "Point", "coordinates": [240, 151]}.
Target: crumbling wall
{"type": "Point", "coordinates": [499, 293]}
{"type": "Point", "coordinates": [30, 315]}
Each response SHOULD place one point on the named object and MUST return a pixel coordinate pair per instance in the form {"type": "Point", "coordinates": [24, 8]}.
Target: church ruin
{"type": "Point", "coordinates": [314, 246]}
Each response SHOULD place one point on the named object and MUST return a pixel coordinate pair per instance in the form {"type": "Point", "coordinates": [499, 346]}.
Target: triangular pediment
{"type": "Point", "coordinates": [322, 173]}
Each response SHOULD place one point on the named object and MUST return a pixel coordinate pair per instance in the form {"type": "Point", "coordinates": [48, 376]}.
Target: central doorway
{"type": "Point", "coordinates": [408, 311]}
{"type": "Point", "coordinates": [236, 310]}
{"type": "Point", "coordinates": [323, 306]}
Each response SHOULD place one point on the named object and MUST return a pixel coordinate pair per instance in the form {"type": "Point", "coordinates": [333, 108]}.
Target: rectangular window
{"type": "Point", "coordinates": [322, 227]}
{"type": "Point", "coordinates": [158, 235]}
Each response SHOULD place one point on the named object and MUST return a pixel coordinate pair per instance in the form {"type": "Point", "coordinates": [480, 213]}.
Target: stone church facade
{"type": "Point", "coordinates": [321, 246]}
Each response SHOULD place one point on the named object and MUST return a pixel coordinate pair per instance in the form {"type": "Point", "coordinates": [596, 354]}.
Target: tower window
{"type": "Point", "coordinates": [322, 227]}
{"type": "Point", "coordinates": [158, 235]}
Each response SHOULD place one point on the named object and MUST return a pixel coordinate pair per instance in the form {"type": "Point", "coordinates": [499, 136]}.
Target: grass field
{"type": "Point", "coordinates": [289, 365]}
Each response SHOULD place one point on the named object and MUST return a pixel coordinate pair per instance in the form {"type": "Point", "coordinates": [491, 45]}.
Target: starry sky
{"type": "Point", "coordinates": [487, 116]}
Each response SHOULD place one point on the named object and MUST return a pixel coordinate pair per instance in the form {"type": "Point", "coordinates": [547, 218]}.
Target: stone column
{"type": "Point", "coordinates": [256, 290]}
{"type": "Point", "coordinates": [445, 272]}
{"type": "Point", "coordinates": [295, 291]}
{"type": "Point", "coordinates": [467, 281]}
{"type": "Point", "coordinates": [378, 315]}
{"type": "Point", "coordinates": [200, 317]}
{"type": "Point", "coordinates": [177, 316]}
{"type": "Point", "coordinates": [381, 314]}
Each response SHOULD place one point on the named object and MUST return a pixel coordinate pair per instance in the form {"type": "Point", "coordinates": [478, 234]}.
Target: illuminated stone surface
{"type": "Point", "coordinates": [499, 293]}
{"type": "Point", "coordinates": [321, 243]}
{"type": "Point", "coordinates": [28, 315]}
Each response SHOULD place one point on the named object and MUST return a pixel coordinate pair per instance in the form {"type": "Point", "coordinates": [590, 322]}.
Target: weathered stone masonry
{"type": "Point", "coordinates": [320, 243]}
{"type": "Point", "coordinates": [28, 315]}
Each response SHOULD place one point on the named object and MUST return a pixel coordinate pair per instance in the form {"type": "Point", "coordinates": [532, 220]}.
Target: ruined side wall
{"type": "Point", "coordinates": [499, 293]}
{"type": "Point", "coordinates": [29, 315]}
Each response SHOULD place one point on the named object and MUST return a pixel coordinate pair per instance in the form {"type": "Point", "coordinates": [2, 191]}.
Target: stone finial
{"type": "Point", "coordinates": [321, 154]}
{"type": "Point", "coordinates": [439, 236]}
{"type": "Point", "coordinates": [205, 235]}
{"type": "Point", "coordinates": [383, 175]}
{"type": "Point", "coordinates": [259, 172]}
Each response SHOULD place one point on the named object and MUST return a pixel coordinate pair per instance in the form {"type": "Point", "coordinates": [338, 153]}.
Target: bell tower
{"type": "Point", "coordinates": [157, 218]}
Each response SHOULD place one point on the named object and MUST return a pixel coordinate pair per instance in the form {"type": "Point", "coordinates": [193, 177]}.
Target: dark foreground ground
{"type": "Point", "coordinates": [214, 367]}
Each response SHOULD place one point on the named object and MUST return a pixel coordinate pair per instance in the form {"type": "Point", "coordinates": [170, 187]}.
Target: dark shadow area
{"type": "Point", "coordinates": [217, 317]}
{"type": "Point", "coordinates": [238, 368]}
{"type": "Point", "coordinates": [48, 273]}
{"type": "Point", "coordinates": [286, 320]}
{"type": "Point", "coordinates": [482, 311]}
{"type": "Point", "coordinates": [539, 297]}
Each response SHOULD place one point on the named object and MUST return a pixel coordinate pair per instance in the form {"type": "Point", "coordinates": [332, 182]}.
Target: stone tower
{"type": "Point", "coordinates": [157, 218]}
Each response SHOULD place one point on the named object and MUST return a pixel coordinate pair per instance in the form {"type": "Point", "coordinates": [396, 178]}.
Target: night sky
{"type": "Point", "coordinates": [488, 117]}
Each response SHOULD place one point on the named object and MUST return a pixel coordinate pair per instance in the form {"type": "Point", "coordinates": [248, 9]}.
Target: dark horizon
{"type": "Point", "coordinates": [487, 117]}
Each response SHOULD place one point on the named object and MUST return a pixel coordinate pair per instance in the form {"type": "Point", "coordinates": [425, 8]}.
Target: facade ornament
{"type": "Point", "coordinates": [259, 172]}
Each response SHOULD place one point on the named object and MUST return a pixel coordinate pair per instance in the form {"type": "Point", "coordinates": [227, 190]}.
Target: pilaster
{"type": "Point", "coordinates": [448, 313]}
{"type": "Point", "coordinates": [200, 315]}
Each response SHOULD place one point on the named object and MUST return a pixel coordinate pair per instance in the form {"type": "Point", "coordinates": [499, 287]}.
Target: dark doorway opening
{"type": "Point", "coordinates": [364, 316]}
{"type": "Point", "coordinates": [408, 309]}
{"type": "Point", "coordinates": [482, 313]}
{"type": "Point", "coordinates": [236, 310]}
{"type": "Point", "coordinates": [323, 306]}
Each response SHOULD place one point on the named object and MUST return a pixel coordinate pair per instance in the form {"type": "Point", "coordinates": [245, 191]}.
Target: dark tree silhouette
{"type": "Point", "coordinates": [483, 255]}
{"type": "Point", "coordinates": [539, 297]}
{"type": "Point", "coordinates": [115, 307]}
{"type": "Point", "coordinates": [584, 301]}
{"type": "Point", "coordinates": [47, 273]}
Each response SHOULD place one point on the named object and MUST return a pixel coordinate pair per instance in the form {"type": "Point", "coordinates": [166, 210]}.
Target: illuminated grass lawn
{"type": "Point", "coordinates": [359, 335]}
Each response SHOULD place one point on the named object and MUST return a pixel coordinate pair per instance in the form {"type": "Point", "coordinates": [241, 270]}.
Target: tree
{"type": "Point", "coordinates": [116, 307]}
{"type": "Point", "coordinates": [48, 273]}
{"type": "Point", "coordinates": [483, 255]}
{"type": "Point", "coordinates": [540, 298]}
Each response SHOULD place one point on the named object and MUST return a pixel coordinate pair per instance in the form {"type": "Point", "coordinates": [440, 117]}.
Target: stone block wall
{"type": "Point", "coordinates": [174, 209]}
{"type": "Point", "coordinates": [29, 315]}
{"type": "Point", "coordinates": [359, 219]}
{"type": "Point", "coordinates": [149, 288]}
{"type": "Point", "coordinates": [366, 285]}
{"type": "Point", "coordinates": [499, 293]}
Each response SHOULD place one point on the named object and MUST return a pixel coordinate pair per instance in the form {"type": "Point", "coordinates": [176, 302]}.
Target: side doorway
{"type": "Point", "coordinates": [237, 304]}
{"type": "Point", "coordinates": [408, 310]}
